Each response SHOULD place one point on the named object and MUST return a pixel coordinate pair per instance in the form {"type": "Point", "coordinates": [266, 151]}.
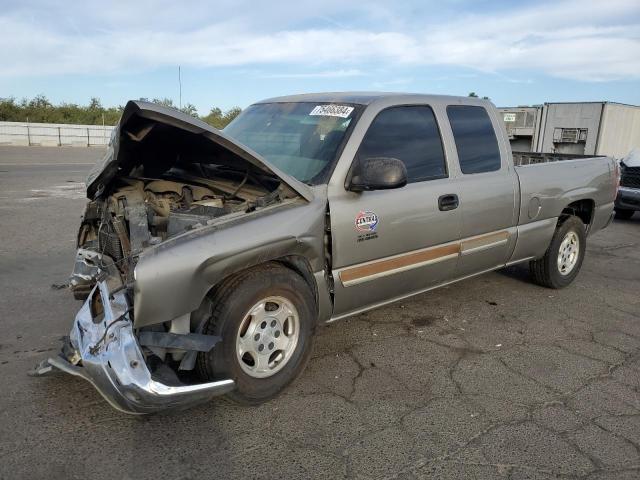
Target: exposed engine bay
{"type": "Point", "coordinates": [142, 212]}
{"type": "Point", "coordinates": [164, 174]}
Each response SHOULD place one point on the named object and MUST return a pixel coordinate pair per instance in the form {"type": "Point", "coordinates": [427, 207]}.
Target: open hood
{"type": "Point", "coordinates": [141, 120]}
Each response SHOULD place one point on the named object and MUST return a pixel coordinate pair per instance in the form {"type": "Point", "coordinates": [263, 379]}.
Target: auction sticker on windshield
{"type": "Point", "coordinates": [342, 111]}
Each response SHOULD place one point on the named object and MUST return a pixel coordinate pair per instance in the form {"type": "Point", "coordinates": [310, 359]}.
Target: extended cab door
{"type": "Point", "coordinates": [390, 243]}
{"type": "Point", "coordinates": [488, 186]}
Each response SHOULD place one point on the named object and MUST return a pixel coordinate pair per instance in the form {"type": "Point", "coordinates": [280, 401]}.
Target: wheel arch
{"type": "Point", "coordinates": [298, 264]}
{"type": "Point", "coordinates": [584, 209]}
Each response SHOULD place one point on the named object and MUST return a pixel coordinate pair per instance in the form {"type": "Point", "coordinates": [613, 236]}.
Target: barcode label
{"type": "Point", "coordinates": [342, 111]}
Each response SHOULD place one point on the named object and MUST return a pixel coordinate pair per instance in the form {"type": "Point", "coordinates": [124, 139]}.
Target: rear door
{"type": "Point", "coordinates": [390, 243]}
{"type": "Point", "coordinates": [487, 186]}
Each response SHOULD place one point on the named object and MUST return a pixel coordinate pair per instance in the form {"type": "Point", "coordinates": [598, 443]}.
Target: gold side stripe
{"type": "Point", "coordinates": [485, 240]}
{"type": "Point", "coordinates": [401, 263]}
{"type": "Point", "coordinates": [350, 275]}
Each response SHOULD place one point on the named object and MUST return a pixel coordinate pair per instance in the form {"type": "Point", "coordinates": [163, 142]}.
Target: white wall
{"type": "Point", "coordinates": [619, 131]}
{"type": "Point", "coordinates": [54, 134]}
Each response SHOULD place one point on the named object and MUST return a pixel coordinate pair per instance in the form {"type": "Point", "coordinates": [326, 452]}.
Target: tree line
{"type": "Point", "coordinates": [40, 110]}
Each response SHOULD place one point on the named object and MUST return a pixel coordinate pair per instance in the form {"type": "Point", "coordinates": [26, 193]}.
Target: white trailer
{"type": "Point", "coordinates": [619, 130]}
{"type": "Point", "coordinates": [574, 128]}
{"type": "Point", "coordinates": [522, 125]}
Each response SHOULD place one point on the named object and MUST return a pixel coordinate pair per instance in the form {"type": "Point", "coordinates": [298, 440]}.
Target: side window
{"type": "Point", "coordinates": [475, 139]}
{"type": "Point", "coordinates": [409, 134]}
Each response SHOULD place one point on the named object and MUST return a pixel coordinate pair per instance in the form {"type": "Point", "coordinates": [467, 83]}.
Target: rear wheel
{"type": "Point", "coordinates": [563, 259]}
{"type": "Point", "coordinates": [624, 214]}
{"type": "Point", "coordinates": [265, 317]}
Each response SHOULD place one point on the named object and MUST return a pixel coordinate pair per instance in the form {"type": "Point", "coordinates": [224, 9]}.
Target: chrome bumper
{"type": "Point", "coordinates": [105, 352]}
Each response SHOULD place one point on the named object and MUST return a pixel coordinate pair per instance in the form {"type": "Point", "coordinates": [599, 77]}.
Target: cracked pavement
{"type": "Point", "coordinates": [490, 378]}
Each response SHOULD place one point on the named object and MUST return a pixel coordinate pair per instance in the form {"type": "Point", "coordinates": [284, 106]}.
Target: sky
{"type": "Point", "coordinates": [235, 52]}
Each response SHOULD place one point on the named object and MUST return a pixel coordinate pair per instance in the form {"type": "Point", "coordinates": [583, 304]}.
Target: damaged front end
{"type": "Point", "coordinates": [104, 349]}
{"type": "Point", "coordinates": [165, 175]}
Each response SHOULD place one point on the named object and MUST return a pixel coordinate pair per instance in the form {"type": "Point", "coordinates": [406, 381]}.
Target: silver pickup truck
{"type": "Point", "coordinates": [206, 258]}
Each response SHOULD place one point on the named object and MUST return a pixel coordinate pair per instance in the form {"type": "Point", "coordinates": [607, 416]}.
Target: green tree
{"type": "Point", "coordinates": [94, 104]}
{"type": "Point", "coordinates": [190, 109]}
{"type": "Point", "coordinates": [231, 114]}
{"type": "Point", "coordinates": [165, 102]}
{"type": "Point", "coordinates": [219, 119]}
{"type": "Point", "coordinates": [475, 95]}
{"type": "Point", "coordinates": [40, 110]}
{"type": "Point", "coordinates": [10, 110]}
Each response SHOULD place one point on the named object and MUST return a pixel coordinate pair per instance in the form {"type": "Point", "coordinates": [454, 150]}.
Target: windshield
{"type": "Point", "coordinates": [301, 139]}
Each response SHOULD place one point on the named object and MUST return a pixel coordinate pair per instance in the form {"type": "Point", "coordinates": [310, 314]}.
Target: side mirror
{"type": "Point", "coordinates": [377, 173]}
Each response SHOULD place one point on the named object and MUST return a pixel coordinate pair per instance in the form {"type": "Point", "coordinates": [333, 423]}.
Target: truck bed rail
{"type": "Point", "coordinates": [530, 158]}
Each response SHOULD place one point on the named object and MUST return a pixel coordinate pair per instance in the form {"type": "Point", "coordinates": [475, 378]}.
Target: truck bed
{"type": "Point", "coordinates": [549, 182]}
{"type": "Point", "coordinates": [531, 158]}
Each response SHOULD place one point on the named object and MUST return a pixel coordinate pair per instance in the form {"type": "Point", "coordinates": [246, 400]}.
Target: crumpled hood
{"type": "Point", "coordinates": [109, 167]}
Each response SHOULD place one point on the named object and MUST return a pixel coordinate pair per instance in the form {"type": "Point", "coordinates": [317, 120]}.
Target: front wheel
{"type": "Point", "coordinates": [266, 318]}
{"type": "Point", "coordinates": [563, 259]}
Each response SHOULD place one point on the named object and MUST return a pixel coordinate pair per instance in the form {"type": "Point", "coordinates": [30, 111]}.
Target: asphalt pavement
{"type": "Point", "coordinates": [490, 378]}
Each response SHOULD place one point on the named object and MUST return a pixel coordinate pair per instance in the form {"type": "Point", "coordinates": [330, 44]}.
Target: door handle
{"type": "Point", "coordinates": [448, 202]}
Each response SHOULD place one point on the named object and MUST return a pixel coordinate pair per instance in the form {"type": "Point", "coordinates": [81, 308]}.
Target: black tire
{"type": "Point", "coordinates": [545, 270]}
{"type": "Point", "coordinates": [230, 305]}
{"type": "Point", "coordinates": [624, 214]}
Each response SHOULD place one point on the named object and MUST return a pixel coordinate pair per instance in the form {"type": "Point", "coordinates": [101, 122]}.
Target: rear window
{"type": "Point", "coordinates": [475, 139]}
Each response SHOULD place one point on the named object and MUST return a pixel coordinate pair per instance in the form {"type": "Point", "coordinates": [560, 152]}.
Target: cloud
{"type": "Point", "coordinates": [393, 83]}
{"type": "Point", "coordinates": [324, 74]}
{"type": "Point", "coordinates": [579, 40]}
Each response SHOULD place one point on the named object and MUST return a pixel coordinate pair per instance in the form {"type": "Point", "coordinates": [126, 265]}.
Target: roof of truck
{"type": "Point", "coordinates": [361, 98]}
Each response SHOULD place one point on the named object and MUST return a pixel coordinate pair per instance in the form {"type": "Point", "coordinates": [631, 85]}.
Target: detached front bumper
{"type": "Point", "coordinates": [105, 352]}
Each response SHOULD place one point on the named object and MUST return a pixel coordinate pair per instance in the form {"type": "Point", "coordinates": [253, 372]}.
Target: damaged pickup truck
{"type": "Point", "coordinates": [206, 258]}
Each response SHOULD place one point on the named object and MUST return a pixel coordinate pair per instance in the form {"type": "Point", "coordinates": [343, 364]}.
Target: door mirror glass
{"type": "Point", "coordinates": [378, 173]}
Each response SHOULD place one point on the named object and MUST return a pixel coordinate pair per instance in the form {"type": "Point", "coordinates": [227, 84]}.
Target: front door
{"type": "Point", "coordinates": [388, 244]}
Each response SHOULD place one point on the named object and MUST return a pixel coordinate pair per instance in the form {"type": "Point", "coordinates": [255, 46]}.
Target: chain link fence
{"type": "Point", "coordinates": [52, 134]}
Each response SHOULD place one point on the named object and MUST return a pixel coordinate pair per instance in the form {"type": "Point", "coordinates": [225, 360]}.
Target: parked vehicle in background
{"type": "Point", "coordinates": [628, 199]}
{"type": "Point", "coordinates": [219, 253]}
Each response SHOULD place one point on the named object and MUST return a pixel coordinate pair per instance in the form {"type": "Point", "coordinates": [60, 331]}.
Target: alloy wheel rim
{"type": "Point", "coordinates": [267, 337]}
{"type": "Point", "coordinates": [568, 253]}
